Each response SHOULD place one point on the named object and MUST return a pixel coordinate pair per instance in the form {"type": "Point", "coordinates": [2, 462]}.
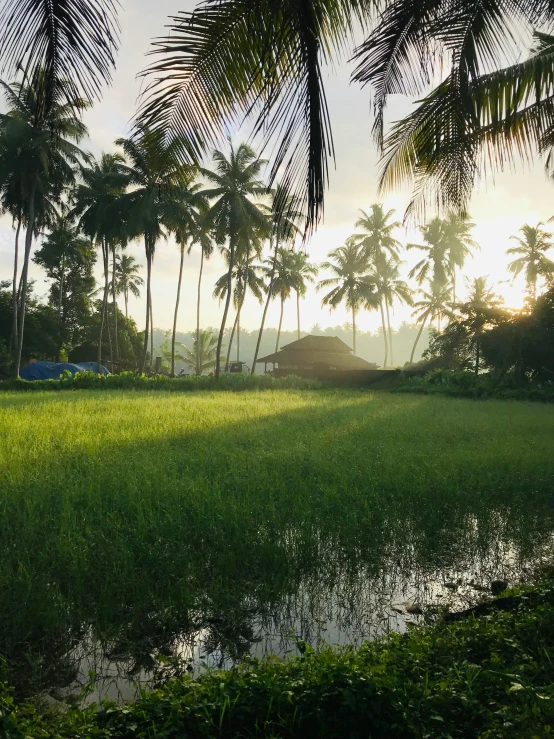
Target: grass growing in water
{"type": "Point", "coordinates": [128, 513]}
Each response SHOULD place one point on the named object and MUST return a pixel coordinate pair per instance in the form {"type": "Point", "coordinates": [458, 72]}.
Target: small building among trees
{"type": "Point", "coordinates": [313, 354]}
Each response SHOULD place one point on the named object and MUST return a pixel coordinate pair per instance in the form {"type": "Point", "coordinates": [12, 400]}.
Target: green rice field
{"type": "Point", "coordinates": [142, 531]}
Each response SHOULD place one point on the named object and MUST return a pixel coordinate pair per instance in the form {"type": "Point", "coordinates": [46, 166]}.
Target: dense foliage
{"type": "Point", "coordinates": [488, 677]}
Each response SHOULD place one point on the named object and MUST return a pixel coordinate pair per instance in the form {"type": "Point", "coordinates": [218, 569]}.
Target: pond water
{"type": "Point", "coordinates": [340, 603]}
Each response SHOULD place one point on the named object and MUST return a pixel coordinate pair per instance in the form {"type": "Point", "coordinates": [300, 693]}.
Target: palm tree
{"type": "Point", "coordinates": [304, 272]}
{"type": "Point", "coordinates": [433, 305]}
{"type": "Point", "coordinates": [159, 181]}
{"type": "Point", "coordinates": [434, 265]}
{"type": "Point", "coordinates": [233, 216]}
{"type": "Point", "coordinates": [246, 277]}
{"type": "Point", "coordinates": [127, 278]}
{"type": "Point", "coordinates": [376, 237]}
{"type": "Point", "coordinates": [480, 311]}
{"type": "Point", "coordinates": [531, 256]}
{"type": "Point", "coordinates": [351, 284]}
{"type": "Point", "coordinates": [390, 288]}
{"type": "Point", "coordinates": [39, 155]}
{"type": "Point", "coordinates": [184, 234]}
{"type": "Point", "coordinates": [284, 281]}
{"type": "Point", "coordinates": [203, 355]}
{"type": "Point", "coordinates": [457, 237]}
{"type": "Point", "coordinates": [283, 217]}
{"type": "Point", "coordinates": [203, 238]}
{"type": "Point", "coordinates": [98, 205]}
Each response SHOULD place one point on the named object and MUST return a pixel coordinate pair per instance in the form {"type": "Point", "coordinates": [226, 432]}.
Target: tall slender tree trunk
{"type": "Point", "coordinates": [177, 311]}
{"type": "Point", "coordinates": [454, 286]}
{"type": "Point", "coordinates": [266, 306]}
{"type": "Point", "coordinates": [225, 310]}
{"type": "Point", "coordinates": [106, 256]}
{"type": "Point", "coordinates": [114, 300]}
{"type": "Point", "coordinates": [24, 274]}
{"type": "Point", "coordinates": [60, 297]}
{"type": "Point", "coordinates": [198, 369]}
{"type": "Point", "coordinates": [14, 336]}
{"type": "Point", "coordinates": [104, 247]}
{"type": "Point", "coordinates": [425, 317]}
{"type": "Point", "coordinates": [298, 314]}
{"type": "Point", "coordinates": [280, 324]}
{"type": "Point", "coordinates": [228, 359]}
{"type": "Point", "coordinates": [152, 363]}
{"type": "Point", "coordinates": [354, 329]}
{"type": "Point", "coordinates": [238, 333]}
{"type": "Point", "coordinates": [390, 334]}
{"type": "Point", "coordinates": [383, 324]}
{"type": "Point", "coordinates": [147, 324]}
{"type": "Point", "coordinates": [126, 296]}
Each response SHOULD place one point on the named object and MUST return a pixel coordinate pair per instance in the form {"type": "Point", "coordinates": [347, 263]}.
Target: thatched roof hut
{"type": "Point", "coordinates": [317, 353]}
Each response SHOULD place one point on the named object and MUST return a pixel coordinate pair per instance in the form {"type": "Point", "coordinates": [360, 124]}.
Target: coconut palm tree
{"type": "Point", "coordinates": [127, 278]}
{"type": "Point", "coordinates": [531, 257]}
{"type": "Point", "coordinates": [158, 182]}
{"type": "Point", "coordinates": [389, 288]}
{"type": "Point", "coordinates": [434, 265]}
{"type": "Point", "coordinates": [304, 273]}
{"type": "Point", "coordinates": [202, 357]}
{"type": "Point", "coordinates": [202, 237]}
{"type": "Point", "coordinates": [284, 281]}
{"type": "Point", "coordinates": [433, 305]}
{"type": "Point", "coordinates": [246, 276]}
{"type": "Point", "coordinates": [459, 244]}
{"type": "Point", "coordinates": [482, 310]}
{"type": "Point", "coordinates": [39, 156]}
{"type": "Point", "coordinates": [375, 234]}
{"type": "Point", "coordinates": [283, 216]}
{"type": "Point", "coordinates": [351, 284]}
{"type": "Point", "coordinates": [97, 205]}
{"type": "Point", "coordinates": [233, 216]}
{"type": "Point", "coordinates": [276, 50]}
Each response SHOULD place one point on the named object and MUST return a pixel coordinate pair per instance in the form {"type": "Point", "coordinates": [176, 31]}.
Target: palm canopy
{"type": "Point", "coordinates": [127, 275]}
{"type": "Point", "coordinates": [388, 283]}
{"type": "Point", "coordinates": [202, 356]}
{"type": "Point", "coordinates": [376, 237]}
{"type": "Point", "coordinates": [434, 304]}
{"type": "Point", "coordinates": [246, 276]}
{"type": "Point", "coordinates": [285, 275]}
{"type": "Point", "coordinates": [434, 264]}
{"type": "Point", "coordinates": [304, 271]}
{"type": "Point", "coordinates": [530, 255]}
{"type": "Point", "coordinates": [350, 283]}
{"type": "Point", "coordinates": [72, 40]}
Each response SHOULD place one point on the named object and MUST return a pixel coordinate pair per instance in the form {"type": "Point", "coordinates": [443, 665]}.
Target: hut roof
{"type": "Point", "coordinates": [307, 358]}
{"type": "Point", "coordinates": [320, 344]}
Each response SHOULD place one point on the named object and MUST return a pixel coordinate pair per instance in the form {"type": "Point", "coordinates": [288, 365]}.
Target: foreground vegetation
{"type": "Point", "coordinates": [487, 676]}
{"type": "Point", "coordinates": [137, 518]}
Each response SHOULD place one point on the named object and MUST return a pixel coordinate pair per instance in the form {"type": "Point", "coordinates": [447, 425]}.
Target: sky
{"type": "Point", "coordinates": [499, 208]}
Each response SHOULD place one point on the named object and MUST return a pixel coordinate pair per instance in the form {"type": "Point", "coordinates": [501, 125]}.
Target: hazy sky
{"type": "Point", "coordinates": [499, 208]}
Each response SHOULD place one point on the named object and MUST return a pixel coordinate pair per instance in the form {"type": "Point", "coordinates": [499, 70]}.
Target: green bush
{"type": "Point", "coordinates": [133, 381]}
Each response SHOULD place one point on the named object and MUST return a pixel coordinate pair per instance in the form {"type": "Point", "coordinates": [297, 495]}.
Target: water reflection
{"type": "Point", "coordinates": [341, 601]}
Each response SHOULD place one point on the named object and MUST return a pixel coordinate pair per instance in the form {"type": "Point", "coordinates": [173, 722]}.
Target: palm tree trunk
{"type": "Point", "coordinates": [425, 317]}
{"type": "Point", "coordinates": [264, 314]}
{"type": "Point", "coordinates": [390, 333]}
{"type": "Point", "coordinates": [152, 363]}
{"type": "Point", "coordinates": [298, 314]}
{"type": "Point", "coordinates": [280, 324]}
{"type": "Point", "coordinates": [238, 333]}
{"type": "Point", "coordinates": [114, 299]}
{"type": "Point", "coordinates": [25, 272]}
{"type": "Point", "coordinates": [198, 370]}
{"type": "Point", "coordinates": [354, 329]}
{"type": "Point", "coordinates": [60, 298]}
{"type": "Point", "coordinates": [106, 256]}
{"type": "Point", "coordinates": [104, 308]}
{"type": "Point", "coordinates": [225, 311]}
{"type": "Point", "coordinates": [176, 311]}
{"type": "Point", "coordinates": [384, 334]}
{"type": "Point", "coordinates": [13, 337]}
{"type": "Point", "coordinates": [228, 359]}
{"type": "Point", "coordinates": [126, 296]}
{"type": "Point", "coordinates": [147, 326]}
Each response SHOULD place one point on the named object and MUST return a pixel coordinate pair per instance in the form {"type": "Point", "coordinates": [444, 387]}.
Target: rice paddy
{"type": "Point", "coordinates": [148, 523]}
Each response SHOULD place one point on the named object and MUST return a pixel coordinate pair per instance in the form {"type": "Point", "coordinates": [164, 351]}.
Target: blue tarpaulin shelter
{"type": "Point", "coordinates": [53, 370]}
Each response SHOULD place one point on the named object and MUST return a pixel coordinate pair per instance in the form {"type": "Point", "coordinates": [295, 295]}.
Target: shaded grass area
{"type": "Point", "coordinates": [485, 677]}
{"type": "Point", "coordinates": [129, 514]}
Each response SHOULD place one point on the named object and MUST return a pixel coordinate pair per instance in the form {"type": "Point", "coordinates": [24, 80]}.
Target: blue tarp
{"type": "Point", "coordinates": [53, 370]}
